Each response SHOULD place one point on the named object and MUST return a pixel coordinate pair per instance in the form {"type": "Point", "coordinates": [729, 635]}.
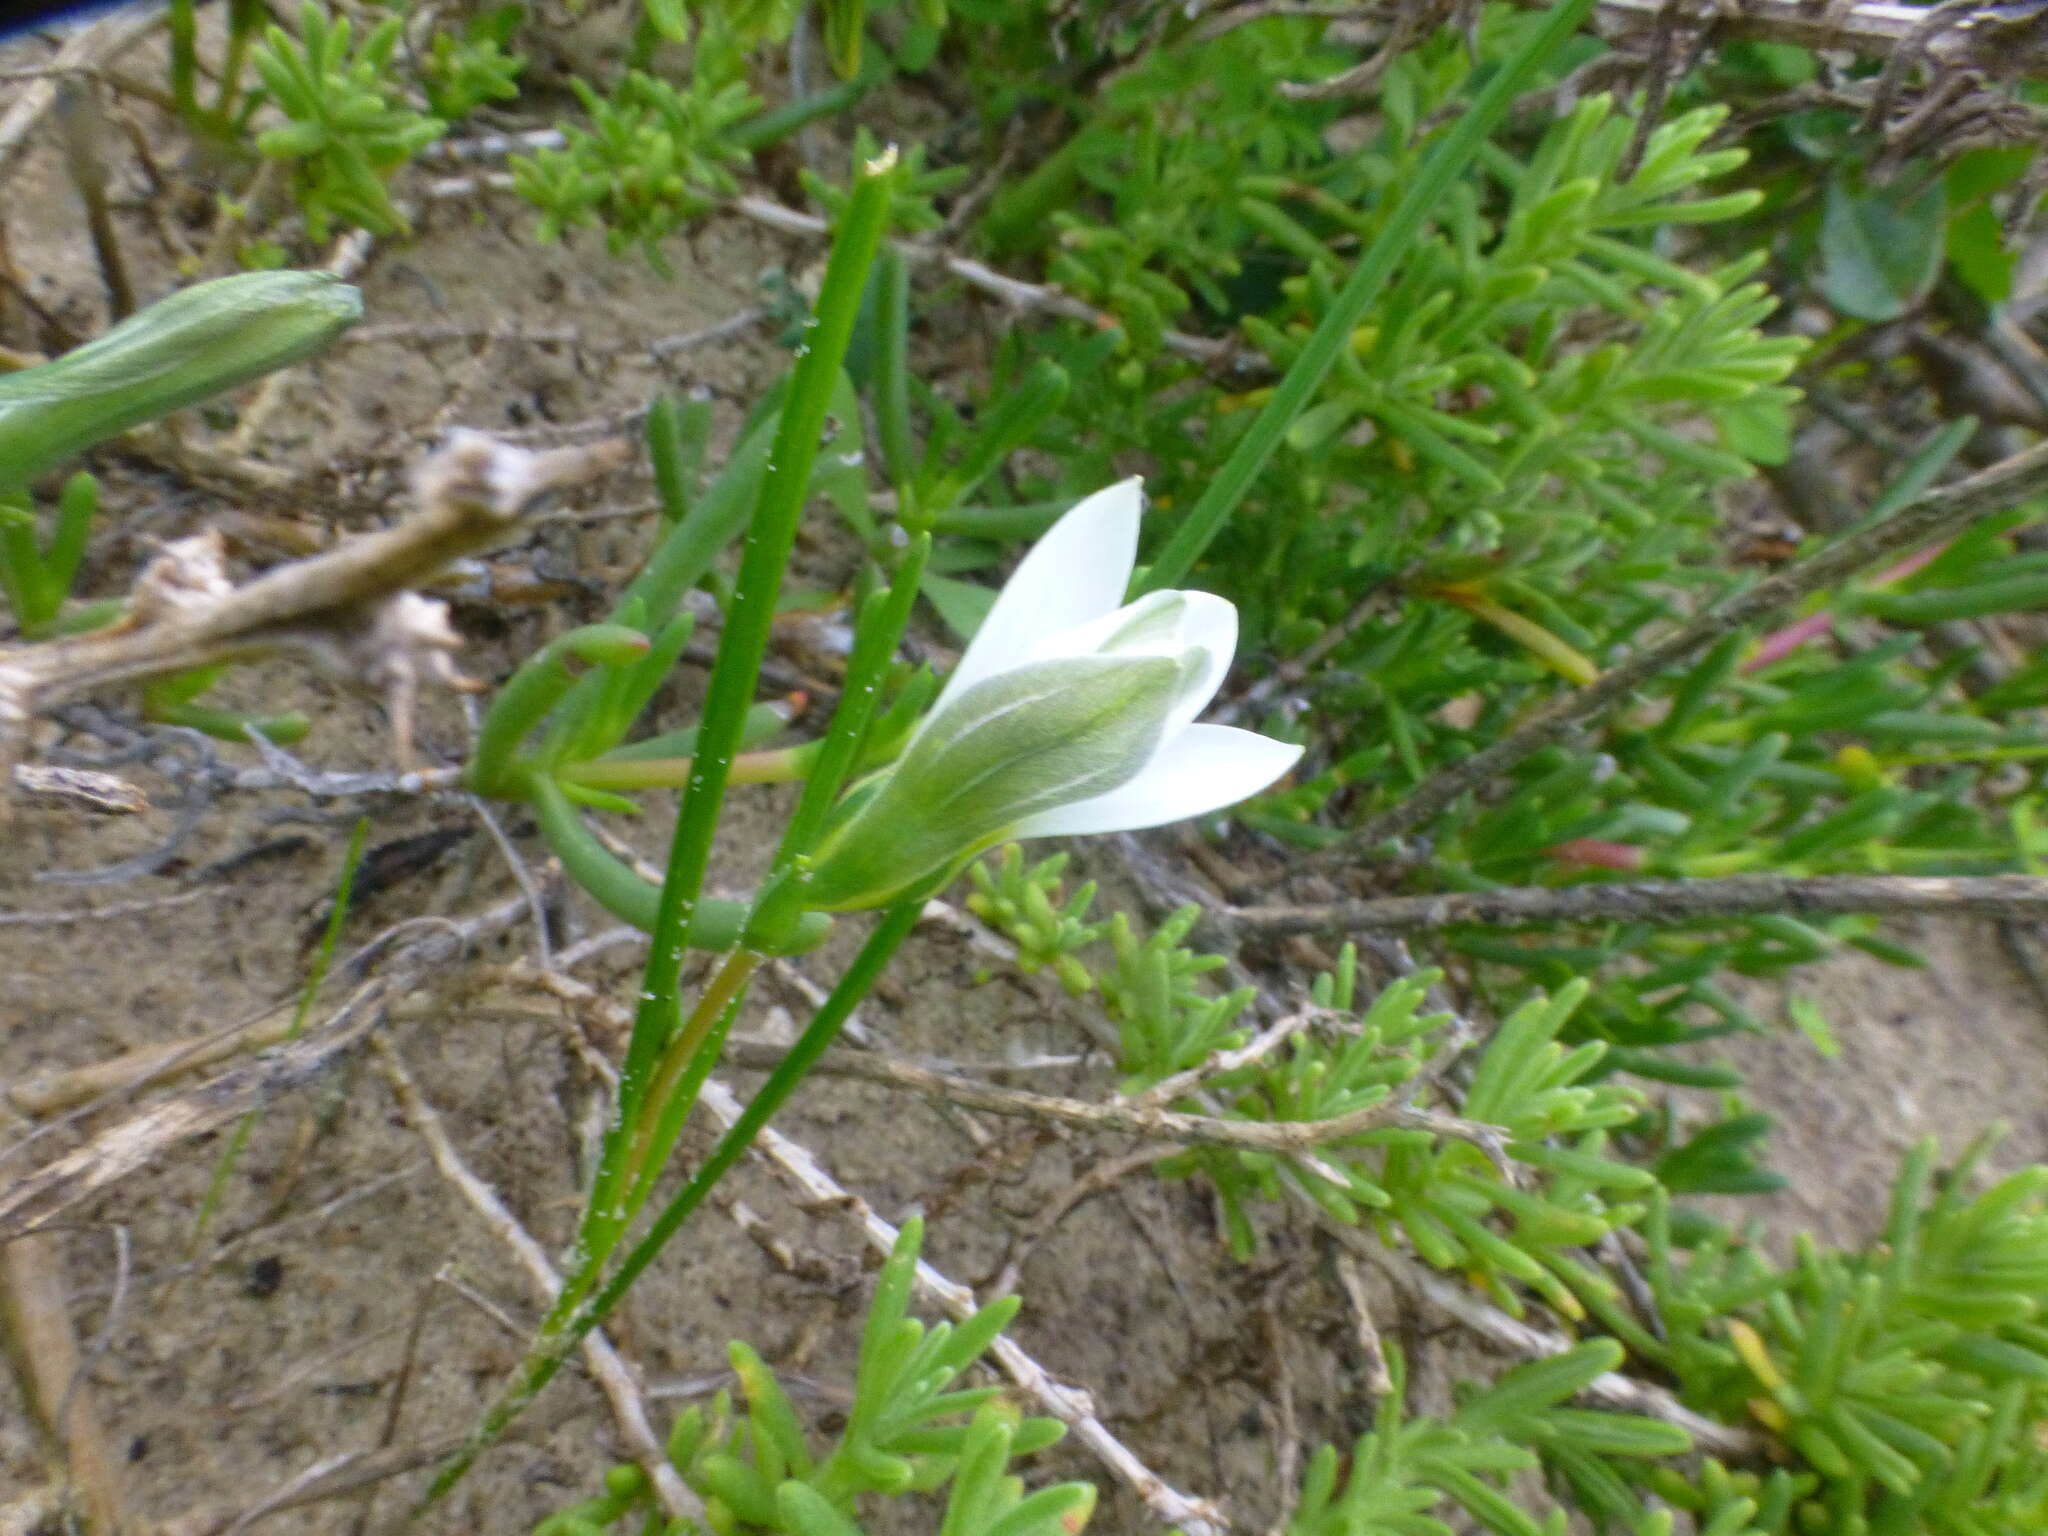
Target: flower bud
{"type": "Point", "coordinates": [1026, 741]}
{"type": "Point", "coordinates": [180, 350]}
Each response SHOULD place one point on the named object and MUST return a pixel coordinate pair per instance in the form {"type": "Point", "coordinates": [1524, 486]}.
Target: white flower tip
{"type": "Point", "coordinates": [1205, 768]}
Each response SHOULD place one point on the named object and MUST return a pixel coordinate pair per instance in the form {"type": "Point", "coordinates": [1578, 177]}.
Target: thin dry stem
{"type": "Point", "coordinates": [613, 1377]}
{"type": "Point", "coordinates": [183, 613]}
{"type": "Point", "coordinates": [1533, 1343]}
{"type": "Point", "coordinates": [1074, 1408]}
{"type": "Point", "coordinates": [818, 1189]}
{"type": "Point", "coordinates": [86, 49]}
{"type": "Point", "coordinates": [1296, 1139]}
{"type": "Point", "coordinates": [1657, 901]}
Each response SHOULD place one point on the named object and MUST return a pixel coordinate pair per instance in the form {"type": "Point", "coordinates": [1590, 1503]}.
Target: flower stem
{"type": "Point", "coordinates": [770, 537]}
{"type": "Point", "coordinates": [653, 1137]}
{"type": "Point", "coordinates": [779, 766]}
{"type": "Point", "coordinates": [560, 1334]}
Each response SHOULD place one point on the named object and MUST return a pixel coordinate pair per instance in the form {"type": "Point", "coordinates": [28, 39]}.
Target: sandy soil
{"type": "Point", "coordinates": [338, 1254]}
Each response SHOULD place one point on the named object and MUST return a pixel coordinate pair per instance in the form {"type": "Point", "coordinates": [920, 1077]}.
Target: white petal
{"type": "Point", "coordinates": [1164, 623]}
{"type": "Point", "coordinates": [1210, 623]}
{"type": "Point", "coordinates": [1203, 769]}
{"type": "Point", "coordinates": [1151, 626]}
{"type": "Point", "coordinates": [1078, 571]}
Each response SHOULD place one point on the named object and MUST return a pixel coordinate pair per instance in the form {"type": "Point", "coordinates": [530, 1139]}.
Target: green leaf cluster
{"type": "Point", "coordinates": [656, 153]}
{"type": "Point", "coordinates": [1401, 1473]}
{"type": "Point", "coordinates": [910, 1431]}
{"type": "Point", "coordinates": [345, 132]}
{"type": "Point", "coordinates": [1907, 1377]}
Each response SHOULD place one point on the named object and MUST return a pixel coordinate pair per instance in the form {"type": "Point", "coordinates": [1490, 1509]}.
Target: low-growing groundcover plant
{"type": "Point", "coordinates": [1455, 361]}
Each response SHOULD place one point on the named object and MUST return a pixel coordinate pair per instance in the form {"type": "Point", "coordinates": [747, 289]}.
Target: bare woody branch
{"type": "Point", "coordinates": [184, 613]}
{"type": "Point", "coordinates": [1656, 901]}
{"type": "Point", "coordinates": [85, 50]}
{"type": "Point", "coordinates": [1280, 1138]}
{"type": "Point", "coordinates": [1172, 1508]}
{"type": "Point", "coordinates": [2000, 35]}
{"type": "Point", "coordinates": [1934, 516]}
{"type": "Point", "coordinates": [1019, 294]}
{"type": "Point", "coordinates": [35, 1321]}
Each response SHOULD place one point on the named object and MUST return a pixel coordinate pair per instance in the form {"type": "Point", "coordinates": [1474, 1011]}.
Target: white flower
{"type": "Point", "coordinates": [1072, 712]}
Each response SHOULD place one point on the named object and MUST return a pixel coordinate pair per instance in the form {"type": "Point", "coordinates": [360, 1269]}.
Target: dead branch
{"type": "Point", "coordinates": [1936, 515]}
{"type": "Point", "coordinates": [1099, 1179]}
{"type": "Point", "coordinates": [32, 1513]}
{"type": "Point", "coordinates": [1260, 1046]}
{"type": "Point", "coordinates": [1019, 294]}
{"type": "Point", "coordinates": [1656, 901]}
{"type": "Point", "coordinates": [349, 605]}
{"type": "Point", "coordinates": [139, 1141]}
{"type": "Point", "coordinates": [818, 1189]}
{"type": "Point", "coordinates": [62, 916]}
{"type": "Point", "coordinates": [1379, 1381]}
{"type": "Point", "coordinates": [1295, 1139]}
{"type": "Point", "coordinates": [52, 1092]}
{"type": "Point", "coordinates": [85, 50]}
{"type": "Point", "coordinates": [1993, 34]}
{"type": "Point", "coordinates": [331, 1477]}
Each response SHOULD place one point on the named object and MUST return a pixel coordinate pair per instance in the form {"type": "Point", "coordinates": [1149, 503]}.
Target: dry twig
{"type": "Point", "coordinates": [819, 1190]}
{"type": "Point", "coordinates": [1193, 1516]}
{"type": "Point", "coordinates": [84, 50]}
{"type": "Point", "coordinates": [1533, 1343]}
{"type": "Point", "coordinates": [1296, 1139]}
{"type": "Point", "coordinates": [1872, 28]}
{"type": "Point", "coordinates": [350, 605]}
{"type": "Point", "coordinates": [145, 1137]}
{"type": "Point", "coordinates": [1655, 901]}
{"type": "Point", "coordinates": [50, 1367]}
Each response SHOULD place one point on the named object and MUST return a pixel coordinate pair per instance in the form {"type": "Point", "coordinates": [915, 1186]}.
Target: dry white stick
{"type": "Point", "coordinates": [344, 260]}
{"type": "Point", "coordinates": [1531, 1342]}
{"type": "Point", "coordinates": [293, 1490]}
{"type": "Point", "coordinates": [613, 1376]}
{"type": "Point", "coordinates": [146, 1137]}
{"type": "Point", "coordinates": [184, 613]}
{"type": "Point", "coordinates": [57, 916]}
{"type": "Point", "coordinates": [1378, 1380]}
{"type": "Point", "coordinates": [1012, 291]}
{"type": "Point", "coordinates": [1872, 27]}
{"type": "Point", "coordinates": [50, 1366]}
{"type": "Point", "coordinates": [32, 1512]}
{"type": "Point", "coordinates": [1295, 1139]}
{"type": "Point", "coordinates": [1167, 1089]}
{"type": "Point", "coordinates": [87, 48]}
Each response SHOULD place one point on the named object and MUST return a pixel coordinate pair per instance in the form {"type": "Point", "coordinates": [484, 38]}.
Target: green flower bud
{"type": "Point", "coordinates": [1027, 741]}
{"type": "Point", "coordinates": [180, 350]}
